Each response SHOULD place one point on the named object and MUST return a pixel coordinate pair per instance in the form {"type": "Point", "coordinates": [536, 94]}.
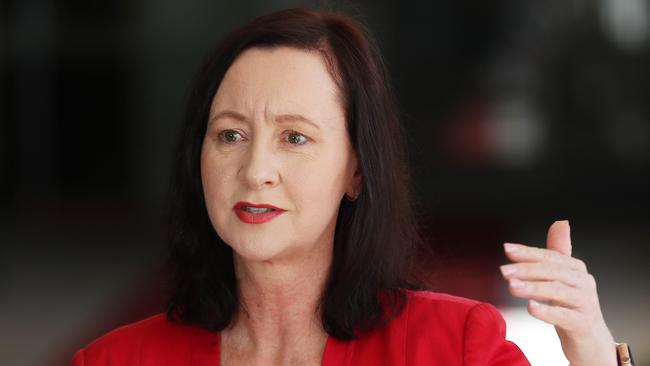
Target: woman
{"type": "Point", "coordinates": [293, 229]}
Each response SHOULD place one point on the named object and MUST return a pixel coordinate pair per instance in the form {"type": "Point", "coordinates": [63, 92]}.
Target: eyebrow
{"type": "Point", "coordinates": [278, 119]}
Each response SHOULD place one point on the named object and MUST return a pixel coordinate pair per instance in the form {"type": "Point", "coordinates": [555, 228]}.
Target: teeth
{"type": "Point", "coordinates": [255, 210]}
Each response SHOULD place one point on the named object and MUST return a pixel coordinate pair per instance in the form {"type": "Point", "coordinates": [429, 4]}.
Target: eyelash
{"type": "Point", "coordinates": [222, 137]}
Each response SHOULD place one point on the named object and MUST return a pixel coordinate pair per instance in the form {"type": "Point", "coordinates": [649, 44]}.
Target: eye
{"type": "Point", "coordinates": [296, 138]}
{"type": "Point", "coordinates": [230, 136]}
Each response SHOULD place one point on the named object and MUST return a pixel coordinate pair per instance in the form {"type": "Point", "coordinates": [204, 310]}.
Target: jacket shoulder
{"type": "Point", "coordinates": [428, 331]}
{"type": "Point", "coordinates": [441, 298]}
{"type": "Point", "coordinates": [470, 332]}
{"type": "Point", "coordinates": [440, 308]}
{"type": "Point", "coordinates": [440, 311]}
{"type": "Point", "coordinates": [139, 343]}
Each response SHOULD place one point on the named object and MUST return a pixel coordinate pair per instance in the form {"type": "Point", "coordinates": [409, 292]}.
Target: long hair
{"type": "Point", "coordinates": [374, 235]}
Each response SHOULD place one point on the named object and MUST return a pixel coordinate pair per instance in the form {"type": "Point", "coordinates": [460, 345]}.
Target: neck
{"type": "Point", "coordinates": [280, 303]}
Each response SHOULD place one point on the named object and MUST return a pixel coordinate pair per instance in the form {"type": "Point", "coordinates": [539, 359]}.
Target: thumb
{"type": "Point", "coordinates": [559, 237]}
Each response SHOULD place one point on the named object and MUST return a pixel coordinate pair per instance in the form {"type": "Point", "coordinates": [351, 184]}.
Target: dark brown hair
{"type": "Point", "coordinates": [374, 234]}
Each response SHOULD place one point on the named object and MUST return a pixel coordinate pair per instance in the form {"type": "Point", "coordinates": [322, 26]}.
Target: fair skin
{"type": "Point", "coordinates": [258, 148]}
{"type": "Point", "coordinates": [551, 275]}
{"type": "Point", "coordinates": [277, 135]}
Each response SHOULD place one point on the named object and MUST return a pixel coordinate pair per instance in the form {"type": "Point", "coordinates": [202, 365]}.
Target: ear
{"type": "Point", "coordinates": [354, 185]}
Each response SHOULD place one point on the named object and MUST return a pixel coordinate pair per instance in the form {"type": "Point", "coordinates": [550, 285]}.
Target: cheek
{"type": "Point", "coordinates": [216, 178]}
{"type": "Point", "coordinates": [317, 185]}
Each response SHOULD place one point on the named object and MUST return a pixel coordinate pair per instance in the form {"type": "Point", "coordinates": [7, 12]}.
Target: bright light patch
{"type": "Point", "coordinates": [626, 22]}
{"type": "Point", "coordinates": [536, 339]}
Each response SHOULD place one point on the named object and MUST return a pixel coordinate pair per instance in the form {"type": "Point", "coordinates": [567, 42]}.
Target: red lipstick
{"type": "Point", "coordinates": [251, 213]}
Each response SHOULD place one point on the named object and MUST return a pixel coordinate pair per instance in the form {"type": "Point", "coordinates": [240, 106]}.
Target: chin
{"type": "Point", "coordinates": [258, 250]}
{"type": "Point", "coordinates": [259, 256]}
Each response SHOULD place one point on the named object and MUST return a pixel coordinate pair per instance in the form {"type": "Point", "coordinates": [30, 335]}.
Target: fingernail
{"type": "Point", "coordinates": [510, 248]}
{"type": "Point", "coordinates": [534, 303]}
{"type": "Point", "coordinates": [563, 222]}
{"type": "Point", "coordinates": [515, 283]}
{"type": "Point", "coordinates": [508, 269]}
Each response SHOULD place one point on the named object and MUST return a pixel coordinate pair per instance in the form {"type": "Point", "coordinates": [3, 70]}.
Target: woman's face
{"type": "Point", "coordinates": [276, 136]}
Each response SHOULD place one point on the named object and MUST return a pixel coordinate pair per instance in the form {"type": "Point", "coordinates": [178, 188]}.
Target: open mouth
{"type": "Point", "coordinates": [251, 213]}
{"type": "Point", "coordinates": [256, 210]}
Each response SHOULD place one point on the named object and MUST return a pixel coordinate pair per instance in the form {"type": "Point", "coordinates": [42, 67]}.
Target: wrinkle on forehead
{"type": "Point", "coordinates": [267, 85]}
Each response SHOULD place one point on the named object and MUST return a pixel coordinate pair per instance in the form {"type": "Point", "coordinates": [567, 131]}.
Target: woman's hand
{"type": "Point", "coordinates": [553, 276]}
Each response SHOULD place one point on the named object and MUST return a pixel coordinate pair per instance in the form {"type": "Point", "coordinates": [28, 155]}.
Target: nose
{"type": "Point", "coordinates": [259, 170]}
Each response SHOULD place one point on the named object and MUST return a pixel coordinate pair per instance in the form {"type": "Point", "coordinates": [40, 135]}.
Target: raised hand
{"type": "Point", "coordinates": [561, 292]}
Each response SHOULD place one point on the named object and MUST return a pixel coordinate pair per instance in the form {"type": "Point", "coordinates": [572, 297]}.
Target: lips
{"type": "Point", "coordinates": [251, 213]}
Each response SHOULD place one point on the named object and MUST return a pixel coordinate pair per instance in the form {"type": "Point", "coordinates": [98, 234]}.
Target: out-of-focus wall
{"type": "Point", "coordinates": [517, 114]}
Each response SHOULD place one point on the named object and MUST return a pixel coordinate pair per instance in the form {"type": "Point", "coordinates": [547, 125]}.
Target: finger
{"type": "Point", "coordinates": [558, 237]}
{"type": "Point", "coordinates": [544, 271]}
{"type": "Point", "coordinates": [555, 292]}
{"type": "Point", "coordinates": [523, 253]}
{"type": "Point", "coordinates": [567, 319]}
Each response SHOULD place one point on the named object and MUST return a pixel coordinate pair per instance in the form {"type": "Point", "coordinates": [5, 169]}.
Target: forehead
{"type": "Point", "coordinates": [279, 80]}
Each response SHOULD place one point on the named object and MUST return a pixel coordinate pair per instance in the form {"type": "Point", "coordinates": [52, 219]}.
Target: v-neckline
{"type": "Point", "coordinates": [206, 350]}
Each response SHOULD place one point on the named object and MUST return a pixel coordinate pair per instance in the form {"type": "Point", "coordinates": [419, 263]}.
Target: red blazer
{"type": "Point", "coordinates": [433, 329]}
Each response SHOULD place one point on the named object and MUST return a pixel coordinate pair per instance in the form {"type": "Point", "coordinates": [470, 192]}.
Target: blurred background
{"type": "Point", "coordinates": [517, 114]}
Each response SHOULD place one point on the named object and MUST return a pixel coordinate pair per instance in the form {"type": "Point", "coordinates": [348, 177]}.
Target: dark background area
{"type": "Point", "coordinates": [516, 113]}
